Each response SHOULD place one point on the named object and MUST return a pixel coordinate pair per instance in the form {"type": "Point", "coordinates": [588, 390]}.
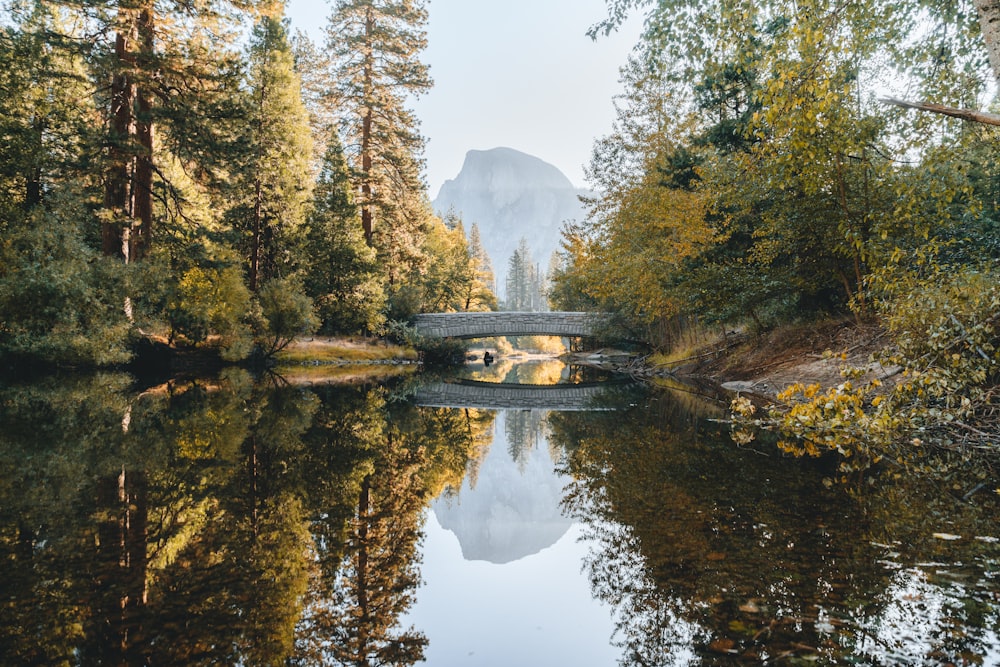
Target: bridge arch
{"type": "Point", "coordinates": [509, 323]}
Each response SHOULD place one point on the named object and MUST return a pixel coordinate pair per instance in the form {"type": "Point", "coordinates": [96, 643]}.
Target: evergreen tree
{"type": "Point", "coordinates": [342, 276]}
{"type": "Point", "coordinates": [481, 294]}
{"type": "Point", "coordinates": [59, 302]}
{"type": "Point", "coordinates": [162, 85]}
{"type": "Point", "coordinates": [314, 68]}
{"type": "Point", "coordinates": [46, 114]}
{"type": "Point", "coordinates": [275, 180]}
{"type": "Point", "coordinates": [374, 46]}
{"type": "Point", "coordinates": [525, 281]}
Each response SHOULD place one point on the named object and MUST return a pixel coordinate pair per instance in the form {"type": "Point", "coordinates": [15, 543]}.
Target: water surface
{"type": "Point", "coordinates": [240, 521]}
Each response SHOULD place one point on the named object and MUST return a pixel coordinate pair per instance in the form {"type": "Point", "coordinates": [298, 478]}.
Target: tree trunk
{"type": "Point", "coordinates": [258, 214]}
{"type": "Point", "coordinates": [128, 191]}
{"type": "Point", "coordinates": [366, 135]}
{"type": "Point", "coordinates": [142, 191]}
{"type": "Point", "coordinates": [120, 581]}
{"type": "Point", "coordinates": [118, 182]}
{"type": "Point", "coordinates": [364, 517]}
{"type": "Point", "coordinates": [989, 25]}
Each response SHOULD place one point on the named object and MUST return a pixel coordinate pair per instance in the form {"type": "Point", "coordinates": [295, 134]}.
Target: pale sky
{"type": "Point", "coordinates": [518, 73]}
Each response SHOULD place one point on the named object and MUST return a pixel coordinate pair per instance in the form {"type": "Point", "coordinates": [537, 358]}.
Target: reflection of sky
{"type": "Point", "coordinates": [921, 619]}
{"type": "Point", "coordinates": [537, 610]}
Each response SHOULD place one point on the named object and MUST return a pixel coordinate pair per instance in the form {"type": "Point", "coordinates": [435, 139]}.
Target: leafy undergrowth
{"type": "Point", "coordinates": [932, 405]}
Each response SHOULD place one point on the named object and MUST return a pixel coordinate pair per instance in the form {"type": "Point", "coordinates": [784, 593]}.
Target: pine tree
{"type": "Point", "coordinates": [59, 302]}
{"type": "Point", "coordinates": [374, 46]}
{"type": "Point", "coordinates": [46, 114]}
{"type": "Point", "coordinates": [159, 82]}
{"type": "Point", "coordinates": [482, 292]}
{"type": "Point", "coordinates": [525, 281]}
{"type": "Point", "coordinates": [276, 182]}
{"type": "Point", "coordinates": [342, 275]}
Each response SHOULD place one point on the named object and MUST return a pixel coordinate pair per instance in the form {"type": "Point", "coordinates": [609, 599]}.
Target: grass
{"type": "Point", "coordinates": [692, 349]}
{"type": "Point", "coordinates": [321, 350]}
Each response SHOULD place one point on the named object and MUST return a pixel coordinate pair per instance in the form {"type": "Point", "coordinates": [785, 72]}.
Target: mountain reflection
{"type": "Point", "coordinates": [511, 510]}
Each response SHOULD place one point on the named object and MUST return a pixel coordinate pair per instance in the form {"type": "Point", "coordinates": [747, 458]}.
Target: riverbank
{"type": "Point", "coordinates": [756, 366]}
{"type": "Point", "coordinates": [342, 360]}
{"type": "Point", "coordinates": [761, 367]}
{"type": "Point", "coordinates": [336, 350]}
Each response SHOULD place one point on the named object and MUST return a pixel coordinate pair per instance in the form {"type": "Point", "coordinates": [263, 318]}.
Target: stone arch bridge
{"type": "Point", "coordinates": [509, 323]}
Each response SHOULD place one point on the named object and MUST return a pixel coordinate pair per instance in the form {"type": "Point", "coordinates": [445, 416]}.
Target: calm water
{"type": "Point", "coordinates": [235, 522]}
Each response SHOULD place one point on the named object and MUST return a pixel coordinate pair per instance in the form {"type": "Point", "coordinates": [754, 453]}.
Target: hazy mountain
{"type": "Point", "coordinates": [511, 195]}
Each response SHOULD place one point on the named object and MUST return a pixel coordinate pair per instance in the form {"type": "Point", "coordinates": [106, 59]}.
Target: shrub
{"type": "Point", "coordinates": [60, 301]}
{"type": "Point", "coordinates": [211, 303]}
{"type": "Point", "coordinates": [285, 313]}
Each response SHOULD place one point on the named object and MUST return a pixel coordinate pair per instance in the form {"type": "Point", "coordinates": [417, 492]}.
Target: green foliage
{"type": "Point", "coordinates": [211, 305]}
{"type": "Point", "coordinates": [752, 175]}
{"type": "Point", "coordinates": [946, 355]}
{"type": "Point", "coordinates": [60, 302]}
{"type": "Point", "coordinates": [374, 48]}
{"type": "Point", "coordinates": [179, 152]}
{"type": "Point", "coordinates": [453, 278]}
{"type": "Point", "coordinates": [46, 111]}
{"type": "Point", "coordinates": [274, 182]}
{"type": "Point", "coordinates": [286, 313]}
{"type": "Point", "coordinates": [341, 272]}
{"type": "Point", "coordinates": [432, 351]}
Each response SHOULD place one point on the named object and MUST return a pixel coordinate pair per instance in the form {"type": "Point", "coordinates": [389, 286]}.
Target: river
{"type": "Point", "coordinates": [265, 521]}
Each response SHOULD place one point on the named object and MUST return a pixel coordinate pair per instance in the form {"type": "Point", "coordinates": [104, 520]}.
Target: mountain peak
{"type": "Point", "coordinates": [511, 195]}
{"type": "Point", "coordinates": [505, 168]}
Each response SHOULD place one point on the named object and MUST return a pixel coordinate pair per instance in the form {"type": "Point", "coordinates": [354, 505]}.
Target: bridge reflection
{"type": "Point", "coordinates": [500, 395]}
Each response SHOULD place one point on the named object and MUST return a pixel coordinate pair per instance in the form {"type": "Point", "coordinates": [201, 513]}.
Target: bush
{"type": "Point", "coordinates": [433, 351]}
{"type": "Point", "coordinates": [60, 301]}
{"type": "Point", "coordinates": [945, 324]}
{"type": "Point", "coordinates": [285, 313]}
{"type": "Point", "coordinates": [209, 304]}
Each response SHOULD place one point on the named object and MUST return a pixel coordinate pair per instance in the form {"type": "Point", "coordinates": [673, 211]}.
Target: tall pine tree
{"type": "Point", "coordinates": [374, 46]}
{"type": "Point", "coordinates": [342, 274]}
{"type": "Point", "coordinates": [276, 182]}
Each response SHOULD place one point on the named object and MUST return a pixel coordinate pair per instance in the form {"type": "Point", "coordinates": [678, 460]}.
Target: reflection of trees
{"type": "Point", "coordinates": [696, 545]}
{"type": "Point", "coordinates": [369, 552]}
{"type": "Point", "coordinates": [193, 523]}
{"type": "Point", "coordinates": [523, 430]}
{"type": "Point", "coordinates": [377, 577]}
{"type": "Point", "coordinates": [226, 523]}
